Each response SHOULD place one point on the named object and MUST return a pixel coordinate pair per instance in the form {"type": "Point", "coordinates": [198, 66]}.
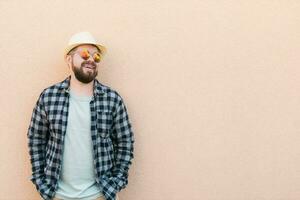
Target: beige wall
{"type": "Point", "coordinates": [212, 88]}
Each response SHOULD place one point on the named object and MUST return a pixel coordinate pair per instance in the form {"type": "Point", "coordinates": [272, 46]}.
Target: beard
{"type": "Point", "coordinates": [83, 75]}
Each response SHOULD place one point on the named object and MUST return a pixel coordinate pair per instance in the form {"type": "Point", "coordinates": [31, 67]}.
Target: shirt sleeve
{"type": "Point", "coordinates": [123, 144]}
{"type": "Point", "coordinates": [37, 140]}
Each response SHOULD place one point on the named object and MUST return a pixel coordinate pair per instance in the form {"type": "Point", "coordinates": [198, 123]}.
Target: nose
{"type": "Point", "coordinates": [90, 59]}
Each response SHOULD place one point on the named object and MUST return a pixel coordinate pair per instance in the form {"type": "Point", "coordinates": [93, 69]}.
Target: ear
{"type": "Point", "coordinates": [68, 60]}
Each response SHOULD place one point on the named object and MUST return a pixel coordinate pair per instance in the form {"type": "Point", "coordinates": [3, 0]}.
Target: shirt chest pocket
{"type": "Point", "coordinates": [104, 122]}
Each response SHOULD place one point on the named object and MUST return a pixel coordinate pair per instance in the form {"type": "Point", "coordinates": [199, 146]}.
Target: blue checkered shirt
{"type": "Point", "coordinates": [111, 132]}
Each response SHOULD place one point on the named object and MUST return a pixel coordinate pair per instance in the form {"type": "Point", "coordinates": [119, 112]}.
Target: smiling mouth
{"type": "Point", "coordinates": [89, 66]}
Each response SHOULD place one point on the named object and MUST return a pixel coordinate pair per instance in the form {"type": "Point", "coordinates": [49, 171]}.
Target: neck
{"type": "Point", "coordinates": [83, 89]}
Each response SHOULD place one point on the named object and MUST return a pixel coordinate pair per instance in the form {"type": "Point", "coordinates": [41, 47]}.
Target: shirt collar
{"type": "Point", "coordinates": [65, 86]}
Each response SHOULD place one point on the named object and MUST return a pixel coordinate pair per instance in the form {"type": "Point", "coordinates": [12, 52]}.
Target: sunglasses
{"type": "Point", "coordinates": [85, 54]}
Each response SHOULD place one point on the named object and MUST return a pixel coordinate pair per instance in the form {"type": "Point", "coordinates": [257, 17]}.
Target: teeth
{"type": "Point", "coordinates": [89, 66]}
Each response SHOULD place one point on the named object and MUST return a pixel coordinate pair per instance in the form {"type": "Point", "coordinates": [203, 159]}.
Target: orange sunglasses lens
{"type": "Point", "coordinates": [97, 57]}
{"type": "Point", "coordinates": [85, 54]}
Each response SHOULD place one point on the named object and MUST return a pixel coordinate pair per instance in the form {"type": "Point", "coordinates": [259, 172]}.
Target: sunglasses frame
{"type": "Point", "coordinates": [89, 54]}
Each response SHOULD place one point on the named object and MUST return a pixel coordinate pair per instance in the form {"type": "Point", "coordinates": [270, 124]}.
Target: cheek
{"type": "Point", "coordinates": [77, 62]}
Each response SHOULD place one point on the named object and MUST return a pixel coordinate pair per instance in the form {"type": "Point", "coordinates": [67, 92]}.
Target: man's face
{"type": "Point", "coordinates": [85, 71]}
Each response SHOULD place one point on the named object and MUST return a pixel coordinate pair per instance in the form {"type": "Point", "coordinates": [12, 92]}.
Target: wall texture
{"type": "Point", "coordinates": [212, 88]}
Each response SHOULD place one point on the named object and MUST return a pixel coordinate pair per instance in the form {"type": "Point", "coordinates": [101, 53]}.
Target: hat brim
{"type": "Point", "coordinates": [70, 47]}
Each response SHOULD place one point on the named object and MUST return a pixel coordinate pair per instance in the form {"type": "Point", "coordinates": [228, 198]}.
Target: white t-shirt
{"type": "Point", "coordinates": [77, 178]}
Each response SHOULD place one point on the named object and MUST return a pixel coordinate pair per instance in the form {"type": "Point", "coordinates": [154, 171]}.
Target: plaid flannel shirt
{"type": "Point", "coordinates": [111, 133]}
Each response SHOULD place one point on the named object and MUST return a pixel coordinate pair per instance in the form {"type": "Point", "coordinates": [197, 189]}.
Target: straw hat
{"type": "Point", "coordinates": [83, 38]}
